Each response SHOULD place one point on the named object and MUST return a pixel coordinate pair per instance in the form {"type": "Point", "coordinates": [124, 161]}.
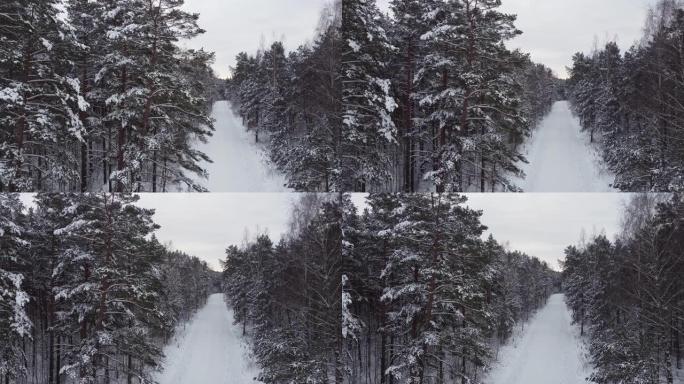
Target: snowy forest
{"type": "Point", "coordinates": [287, 296]}
{"type": "Point", "coordinates": [627, 295]}
{"type": "Point", "coordinates": [360, 143]}
{"type": "Point", "coordinates": [292, 104]}
{"type": "Point", "coordinates": [86, 294]}
{"type": "Point", "coordinates": [432, 98]}
{"type": "Point", "coordinates": [349, 113]}
{"type": "Point", "coordinates": [425, 298]}
{"type": "Point", "coordinates": [99, 96]}
{"type": "Point", "coordinates": [631, 103]}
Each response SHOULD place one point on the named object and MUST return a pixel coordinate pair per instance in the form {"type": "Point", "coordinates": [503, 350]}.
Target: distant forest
{"type": "Point", "coordinates": [292, 103]}
{"type": "Point", "coordinates": [627, 295]}
{"type": "Point", "coordinates": [632, 103]}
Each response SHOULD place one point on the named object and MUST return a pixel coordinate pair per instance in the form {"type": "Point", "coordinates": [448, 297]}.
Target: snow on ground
{"type": "Point", "coordinates": [561, 157]}
{"type": "Point", "coordinates": [209, 350]}
{"type": "Point", "coordinates": [239, 165]}
{"type": "Point", "coordinates": [548, 351]}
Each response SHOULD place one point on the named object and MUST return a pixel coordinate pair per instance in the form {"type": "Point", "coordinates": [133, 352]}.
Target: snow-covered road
{"type": "Point", "coordinates": [238, 164]}
{"type": "Point", "coordinates": [561, 158]}
{"type": "Point", "coordinates": [210, 350]}
{"type": "Point", "coordinates": [549, 351]}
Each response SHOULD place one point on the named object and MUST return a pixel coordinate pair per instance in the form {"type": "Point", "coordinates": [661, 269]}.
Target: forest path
{"type": "Point", "coordinates": [209, 350]}
{"type": "Point", "coordinates": [549, 351]}
{"type": "Point", "coordinates": [561, 158]}
{"type": "Point", "coordinates": [239, 165]}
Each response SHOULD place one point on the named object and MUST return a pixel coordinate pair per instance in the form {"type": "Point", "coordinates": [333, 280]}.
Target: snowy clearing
{"type": "Point", "coordinates": [549, 350]}
{"type": "Point", "coordinates": [239, 165]}
{"type": "Point", "coordinates": [209, 350]}
{"type": "Point", "coordinates": [561, 158]}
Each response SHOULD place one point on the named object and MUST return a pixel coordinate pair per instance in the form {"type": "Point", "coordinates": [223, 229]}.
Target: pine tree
{"type": "Point", "coordinates": [435, 323]}
{"type": "Point", "coordinates": [14, 321]}
{"type": "Point", "coordinates": [40, 101]}
{"type": "Point", "coordinates": [99, 96]}
{"type": "Point", "coordinates": [406, 29]}
{"type": "Point", "coordinates": [110, 288]}
{"type": "Point", "coordinates": [463, 71]}
{"type": "Point", "coordinates": [426, 296]}
{"type": "Point", "coordinates": [367, 97]}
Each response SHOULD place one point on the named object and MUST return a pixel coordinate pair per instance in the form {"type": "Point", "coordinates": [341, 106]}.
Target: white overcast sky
{"type": "Point", "coordinates": [233, 26]}
{"type": "Point", "coordinates": [553, 30]}
{"type": "Point", "coordinates": [544, 224]}
{"type": "Point", "coordinates": [204, 225]}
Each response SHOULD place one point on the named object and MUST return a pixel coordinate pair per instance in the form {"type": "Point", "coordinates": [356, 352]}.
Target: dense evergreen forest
{"type": "Point", "coordinates": [631, 103]}
{"type": "Point", "coordinates": [86, 294]}
{"type": "Point", "coordinates": [433, 99]}
{"type": "Point", "coordinates": [628, 295]}
{"type": "Point", "coordinates": [287, 296]}
{"type": "Point", "coordinates": [425, 298]}
{"type": "Point", "coordinates": [98, 96]}
{"type": "Point", "coordinates": [292, 103]}
{"type": "Point", "coordinates": [371, 106]}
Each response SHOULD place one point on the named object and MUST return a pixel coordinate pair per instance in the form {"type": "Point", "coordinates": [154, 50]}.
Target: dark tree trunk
{"type": "Point", "coordinates": [408, 122]}
{"type": "Point", "coordinates": [121, 136]}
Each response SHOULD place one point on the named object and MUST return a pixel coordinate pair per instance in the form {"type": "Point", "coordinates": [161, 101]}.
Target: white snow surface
{"type": "Point", "coordinates": [239, 165]}
{"type": "Point", "coordinates": [548, 351]}
{"type": "Point", "coordinates": [561, 157]}
{"type": "Point", "coordinates": [209, 350]}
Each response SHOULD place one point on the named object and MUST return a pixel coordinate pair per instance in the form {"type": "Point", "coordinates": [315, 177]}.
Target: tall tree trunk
{"type": "Point", "coordinates": [58, 376]}
{"type": "Point", "coordinates": [383, 354]}
{"type": "Point", "coordinates": [84, 167]}
{"type": "Point", "coordinates": [22, 124]}
{"type": "Point", "coordinates": [83, 115]}
{"type": "Point", "coordinates": [121, 137]}
{"type": "Point", "coordinates": [83, 331]}
{"type": "Point", "coordinates": [51, 353]}
{"type": "Point", "coordinates": [408, 122]}
{"type": "Point", "coordinates": [129, 375]}
{"type": "Point", "coordinates": [105, 160]}
{"type": "Point", "coordinates": [369, 347]}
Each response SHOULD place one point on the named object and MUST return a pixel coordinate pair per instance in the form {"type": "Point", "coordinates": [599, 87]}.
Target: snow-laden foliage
{"type": "Point", "coordinates": [367, 97]}
{"type": "Point", "coordinates": [100, 96]}
{"type": "Point", "coordinates": [433, 99]}
{"type": "Point", "coordinates": [40, 97]}
{"type": "Point", "coordinates": [292, 103]}
{"type": "Point", "coordinates": [288, 297]}
{"type": "Point", "coordinates": [14, 320]}
{"type": "Point", "coordinates": [631, 103]}
{"type": "Point", "coordinates": [626, 296]}
{"type": "Point", "coordinates": [91, 295]}
{"type": "Point", "coordinates": [433, 297]}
